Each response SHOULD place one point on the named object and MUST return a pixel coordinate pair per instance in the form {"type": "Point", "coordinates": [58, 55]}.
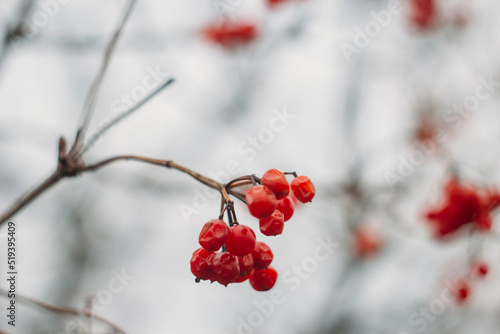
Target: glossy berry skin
{"type": "Point", "coordinates": [213, 235]}
{"type": "Point", "coordinates": [262, 256]}
{"type": "Point", "coordinates": [226, 267]}
{"type": "Point", "coordinates": [201, 264]}
{"type": "Point", "coordinates": [246, 264]}
{"type": "Point", "coordinates": [241, 240]}
{"type": "Point", "coordinates": [272, 225]}
{"type": "Point", "coordinates": [242, 278]}
{"type": "Point", "coordinates": [261, 201]}
{"type": "Point", "coordinates": [264, 279]}
{"type": "Point", "coordinates": [286, 206]}
{"type": "Point", "coordinates": [303, 189]}
{"type": "Point", "coordinates": [276, 181]}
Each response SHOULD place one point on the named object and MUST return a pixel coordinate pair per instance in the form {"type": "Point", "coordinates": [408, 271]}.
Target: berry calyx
{"type": "Point", "coordinates": [201, 264]}
{"type": "Point", "coordinates": [303, 189]}
{"type": "Point", "coordinates": [286, 206]}
{"type": "Point", "coordinates": [262, 256]}
{"type": "Point", "coordinates": [272, 225]}
{"type": "Point", "coordinates": [264, 279]}
{"type": "Point", "coordinates": [225, 267]}
{"type": "Point", "coordinates": [276, 181]}
{"type": "Point", "coordinates": [261, 201]}
{"type": "Point", "coordinates": [213, 235]}
{"type": "Point", "coordinates": [241, 240]}
{"type": "Point", "coordinates": [246, 264]}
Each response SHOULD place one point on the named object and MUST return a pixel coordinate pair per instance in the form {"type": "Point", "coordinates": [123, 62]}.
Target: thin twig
{"type": "Point", "coordinates": [122, 116]}
{"type": "Point", "coordinates": [61, 173]}
{"type": "Point", "coordinates": [91, 100]}
{"type": "Point", "coordinates": [63, 309]}
{"type": "Point", "coordinates": [31, 195]}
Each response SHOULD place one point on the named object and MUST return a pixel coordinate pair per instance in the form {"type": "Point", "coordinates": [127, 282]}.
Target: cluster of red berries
{"type": "Point", "coordinates": [243, 257]}
{"type": "Point", "coordinates": [230, 34]}
{"type": "Point", "coordinates": [463, 205]}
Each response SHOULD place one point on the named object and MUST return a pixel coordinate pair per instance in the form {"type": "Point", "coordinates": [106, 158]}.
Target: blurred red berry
{"type": "Point", "coordinates": [231, 34]}
{"type": "Point", "coordinates": [262, 256]}
{"type": "Point", "coordinates": [241, 240]}
{"type": "Point", "coordinates": [303, 189]}
{"type": "Point", "coordinates": [286, 206]}
{"type": "Point", "coordinates": [201, 264]}
{"type": "Point", "coordinates": [423, 13]}
{"type": "Point", "coordinates": [213, 235]}
{"type": "Point", "coordinates": [226, 267]}
{"type": "Point", "coordinates": [272, 225]}
{"type": "Point", "coordinates": [366, 242]}
{"type": "Point", "coordinates": [276, 181]}
{"type": "Point", "coordinates": [264, 279]}
{"type": "Point", "coordinates": [261, 201]}
{"type": "Point", "coordinates": [480, 268]}
{"type": "Point", "coordinates": [461, 291]}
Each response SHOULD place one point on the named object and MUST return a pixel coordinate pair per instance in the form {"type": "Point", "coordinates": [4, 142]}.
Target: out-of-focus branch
{"type": "Point", "coordinates": [91, 100]}
{"type": "Point", "coordinates": [64, 310]}
{"type": "Point", "coordinates": [16, 30]}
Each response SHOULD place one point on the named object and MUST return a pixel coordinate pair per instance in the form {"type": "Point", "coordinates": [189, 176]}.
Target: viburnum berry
{"type": "Point", "coordinates": [423, 13]}
{"type": "Point", "coordinates": [461, 291]}
{"type": "Point", "coordinates": [276, 181]}
{"type": "Point", "coordinates": [231, 34]}
{"type": "Point", "coordinates": [272, 225]}
{"type": "Point", "coordinates": [213, 235]}
{"type": "Point", "coordinates": [366, 242]}
{"type": "Point", "coordinates": [242, 278]}
{"type": "Point", "coordinates": [261, 201]}
{"type": "Point", "coordinates": [480, 268]}
{"type": "Point", "coordinates": [225, 267]}
{"type": "Point", "coordinates": [263, 279]}
{"type": "Point", "coordinates": [241, 240]}
{"type": "Point", "coordinates": [303, 189]}
{"type": "Point", "coordinates": [246, 264]}
{"type": "Point", "coordinates": [286, 206]}
{"type": "Point", "coordinates": [201, 264]}
{"type": "Point", "coordinates": [262, 256]}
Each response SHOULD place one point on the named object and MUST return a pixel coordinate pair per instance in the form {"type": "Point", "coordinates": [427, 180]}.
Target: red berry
{"type": "Point", "coordinates": [246, 264]}
{"type": "Point", "coordinates": [201, 264]}
{"type": "Point", "coordinates": [241, 240]}
{"type": "Point", "coordinates": [303, 189]}
{"type": "Point", "coordinates": [276, 181]}
{"type": "Point", "coordinates": [286, 206]}
{"type": "Point", "coordinates": [264, 279]}
{"type": "Point", "coordinates": [272, 225]}
{"type": "Point", "coordinates": [231, 34]}
{"type": "Point", "coordinates": [366, 242]}
{"type": "Point", "coordinates": [480, 269]}
{"type": "Point", "coordinates": [242, 278]}
{"type": "Point", "coordinates": [261, 201]}
{"type": "Point", "coordinates": [262, 256]}
{"type": "Point", "coordinates": [213, 235]}
{"type": "Point", "coordinates": [461, 291]}
{"type": "Point", "coordinates": [226, 267]}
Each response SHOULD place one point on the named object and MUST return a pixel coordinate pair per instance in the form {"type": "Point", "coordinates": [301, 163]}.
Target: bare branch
{"type": "Point", "coordinates": [91, 100]}
{"type": "Point", "coordinates": [31, 195]}
{"type": "Point", "coordinates": [122, 116]}
{"type": "Point", "coordinates": [63, 309]}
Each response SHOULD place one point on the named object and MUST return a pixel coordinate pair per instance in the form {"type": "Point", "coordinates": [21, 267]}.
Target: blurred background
{"type": "Point", "coordinates": [378, 102]}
